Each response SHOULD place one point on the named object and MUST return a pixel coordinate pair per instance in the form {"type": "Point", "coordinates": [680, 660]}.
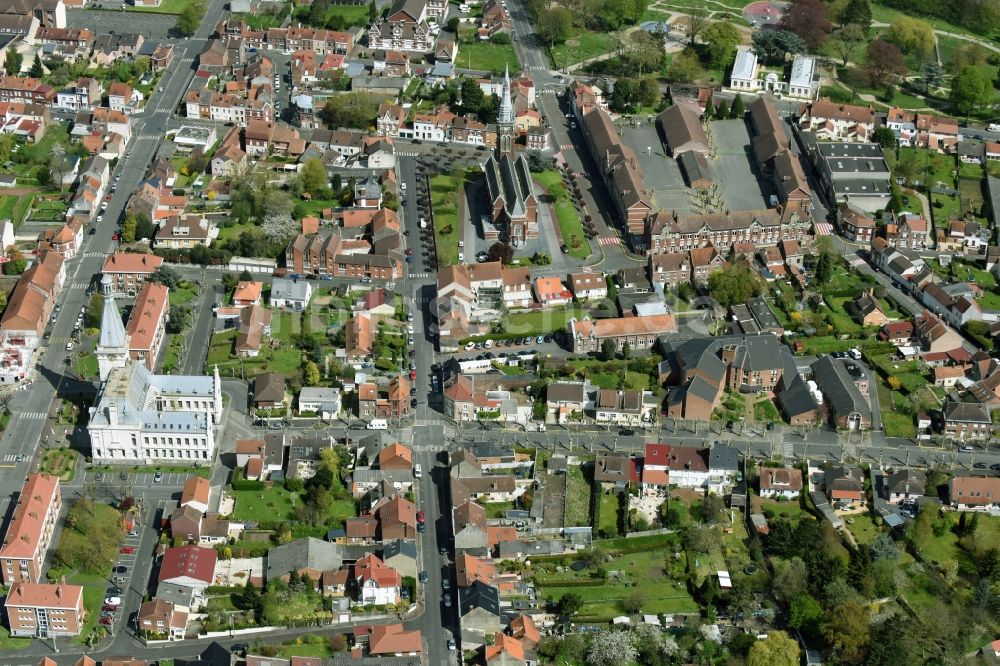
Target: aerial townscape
{"type": "Point", "coordinates": [499, 332]}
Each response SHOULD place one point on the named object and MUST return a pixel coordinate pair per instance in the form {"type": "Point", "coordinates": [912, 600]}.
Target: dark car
{"type": "Point", "coordinates": [93, 230]}
{"type": "Point", "coordinates": [413, 403]}
{"type": "Point", "coordinates": [421, 527]}
{"type": "Point", "coordinates": [423, 578]}
{"type": "Point", "coordinates": [120, 569]}
{"type": "Point", "coordinates": [980, 466]}
{"type": "Point", "coordinates": [995, 467]}
{"type": "Point", "coordinates": [626, 432]}
{"type": "Point", "coordinates": [564, 248]}
{"type": "Point", "coordinates": [240, 647]}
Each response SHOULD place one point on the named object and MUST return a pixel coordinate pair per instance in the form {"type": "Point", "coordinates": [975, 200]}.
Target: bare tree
{"type": "Point", "coordinates": [697, 21]}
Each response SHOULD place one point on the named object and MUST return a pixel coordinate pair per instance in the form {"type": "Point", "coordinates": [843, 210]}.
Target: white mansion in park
{"type": "Point", "coordinates": [749, 77]}
{"type": "Point", "coordinates": [141, 418]}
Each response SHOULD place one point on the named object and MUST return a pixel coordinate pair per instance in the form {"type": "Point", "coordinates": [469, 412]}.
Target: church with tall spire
{"type": "Point", "coordinates": [141, 418]}
{"type": "Point", "coordinates": [511, 192]}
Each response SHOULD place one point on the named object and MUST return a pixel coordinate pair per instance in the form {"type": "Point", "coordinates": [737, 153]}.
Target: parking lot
{"type": "Point", "coordinates": [139, 479]}
{"type": "Point", "coordinates": [128, 553]}
{"type": "Point", "coordinates": [741, 187]}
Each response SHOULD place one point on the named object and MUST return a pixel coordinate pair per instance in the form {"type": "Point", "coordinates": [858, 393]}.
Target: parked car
{"type": "Point", "coordinates": [113, 601]}
{"type": "Point", "coordinates": [420, 516]}
{"type": "Point", "coordinates": [126, 550]}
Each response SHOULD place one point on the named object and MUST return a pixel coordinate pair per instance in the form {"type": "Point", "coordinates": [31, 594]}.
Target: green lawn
{"type": "Point", "coordinates": [645, 573]}
{"type": "Point", "coordinates": [487, 57]}
{"type": "Point", "coordinates": [577, 512]}
{"type": "Point", "coordinates": [582, 46]}
{"type": "Point", "coordinates": [863, 528]}
{"type": "Point", "coordinates": [14, 208]}
{"type": "Point", "coordinates": [570, 224]}
{"type": "Point", "coordinates": [183, 294]}
{"type": "Point", "coordinates": [540, 322]}
{"type": "Point", "coordinates": [166, 7]}
{"type": "Point", "coordinates": [277, 504]}
{"type": "Point", "coordinates": [764, 411]}
{"type": "Point", "coordinates": [497, 509]}
{"type": "Point", "coordinates": [86, 366]}
{"type": "Point", "coordinates": [608, 374]}
{"type": "Point", "coordinates": [233, 231]}
{"type": "Point", "coordinates": [353, 15]}
{"type": "Point", "coordinates": [609, 514]}
{"type": "Point", "coordinates": [895, 423]}
{"type": "Point", "coordinates": [8, 643]}
{"type": "Point", "coordinates": [446, 192]}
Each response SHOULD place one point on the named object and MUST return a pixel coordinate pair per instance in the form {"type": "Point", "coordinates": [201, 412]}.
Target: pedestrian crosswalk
{"type": "Point", "coordinates": [148, 137]}
{"type": "Point", "coordinates": [536, 68]}
{"type": "Point", "coordinates": [32, 416]}
{"type": "Point", "coordinates": [411, 153]}
{"type": "Point", "coordinates": [419, 275]}
{"type": "Point", "coordinates": [609, 240]}
{"type": "Point", "coordinates": [9, 458]}
{"type": "Point", "coordinates": [824, 229]}
{"type": "Point", "coordinates": [566, 146]}
{"type": "Point", "coordinates": [856, 261]}
{"type": "Point", "coordinates": [94, 255]}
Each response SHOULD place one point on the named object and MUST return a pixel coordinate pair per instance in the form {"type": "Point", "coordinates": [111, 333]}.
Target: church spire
{"type": "Point", "coordinates": [112, 345]}
{"type": "Point", "coordinates": [506, 114]}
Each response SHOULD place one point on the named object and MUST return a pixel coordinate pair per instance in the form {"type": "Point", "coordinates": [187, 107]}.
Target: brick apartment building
{"type": "Point", "coordinates": [44, 610]}
{"type": "Point", "coordinates": [30, 532]}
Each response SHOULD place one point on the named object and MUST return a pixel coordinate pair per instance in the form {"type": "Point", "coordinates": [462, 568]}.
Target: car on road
{"type": "Point", "coordinates": [113, 601]}
{"type": "Point", "coordinates": [421, 527]}
{"type": "Point", "coordinates": [979, 466]}
{"type": "Point", "coordinates": [626, 432]}
{"type": "Point", "coordinates": [420, 516]}
{"type": "Point", "coordinates": [126, 550]}
{"type": "Point", "coordinates": [447, 601]}
{"type": "Point", "coordinates": [564, 248]}
{"type": "Point", "coordinates": [413, 403]}
{"type": "Point", "coordinates": [20, 457]}
{"type": "Point", "coordinates": [106, 620]}
{"type": "Point", "coordinates": [413, 374]}
{"type": "Point", "coordinates": [451, 644]}
{"type": "Point", "coordinates": [109, 607]}
{"type": "Point", "coordinates": [423, 577]}
{"type": "Point", "coordinates": [69, 346]}
{"type": "Point", "coordinates": [445, 584]}
{"type": "Point", "coordinates": [240, 647]}
{"type": "Point", "coordinates": [116, 236]}
{"type": "Point", "coordinates": [413, 391]}
{"type": "Point", "coordinates": [158, 477]}
{"type": "Point", "coordinates": [995, 467]}
{"type": "Point", "coordinates": [461, 257]}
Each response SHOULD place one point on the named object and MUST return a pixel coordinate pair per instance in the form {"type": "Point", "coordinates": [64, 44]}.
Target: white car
{"type": "Point", "coordinates": [470, 346]}
{"type": "Point", "coordinates": [100, 218]}
{"type": "Point", "coordinates": [461, 258]}
{"type": "Point", "coordinates": [487, 344]}
{"type": "Point", "coordinates": [113, 601]}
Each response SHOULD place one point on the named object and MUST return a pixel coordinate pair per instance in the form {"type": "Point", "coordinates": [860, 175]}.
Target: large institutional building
{"type": "Point", "coordinates": [142, 418]}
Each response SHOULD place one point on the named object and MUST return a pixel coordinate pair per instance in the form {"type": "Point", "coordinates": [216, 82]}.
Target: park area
{"type": "Point", "coordinates": [276, 504]}
{"type": "Point", "coordinates": [487, 57]}
{"type": "Point", "coordinates": [446, 196]}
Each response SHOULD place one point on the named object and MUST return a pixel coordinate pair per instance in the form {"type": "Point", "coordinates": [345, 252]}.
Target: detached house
{"type": "Point", "coordinates": [376, 582]}
{"type": "Point", "coordinates": [781, 482]}
{"type": "Point", "coordinates": [974, 493]}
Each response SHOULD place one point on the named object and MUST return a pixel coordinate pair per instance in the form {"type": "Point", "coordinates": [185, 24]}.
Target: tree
{"type": "Point", "coordinates": [632, 604]}
{"type": "Point", "coordinates": [968, 55]}
{"type": "Point", "coordinates": [645, 52]}
{"type": "Point", "coordinates": [250, 597]}
{"type": "Point", "coordinates": [884, 63]}
{"type": "Point", "coordinates": [92, 319]}
{"type": "Point", "coordinates": [773, 46]}
{"type": "Point", "coordinates": [372, 12]}
{"type": "Point", "coordinates": [778, 649]}
{"type": "Point", "coordinates": [857, 13]}
{"type": "Point", "coordinates": [790, 578]}
{"type": "Point", "coordinates": [884, 137]}
{"type": "Point", "coordinates": [501, 252]}
{"type": "Point", "coordinates": [315, 505]}
{"type": "Point", "coordinates": [912, 36]}
{"type": "Point", "coordinates": [697, 21]}
{"type": "Point", "coordinates": [807, 19]}
{"type": "Point", "coordinates": [313, 176]}
{"type": "Point", "coordinates": [612, 648]}
{"type": "Point", "coordinates": [737, 110]}
{"type": "Point", "coordinates": [13, 61]}
{"type": "Point", "coordinates": [569, 604]}
{"type": "Point", "coordinates": [36, 67]}
{"type": "Point", "coordinates": [128, 228]}
{"type": "Point", "coordinates": [58, 164]}
{"type": "Point", "coordinates": [712, 508]}
{"type": "Point", "coordinates": [555, 24]}
{"type": "Point", "coordinates": [734, 284]}
{"type": "Point", "coordinates": [722, 39]}
{"type": "Point", "coordinates": [16, 263]}
{"type": "Point", "coordinates": [350, 109]}
{"type": "Point", "coordinates": [846, 631]}
{"type": "Point", "coordinates": [883, 547]}
{"type": "Point", "coordinates": [190, 18]}
{"type": "Point", "coordinates": [310, 374]}
{"type": "Point", "coordinates": [847, 39]}
{"type": "Point", "coordinates": [166, 276]}
{"type": "Point", "coordinates": [608, 350]}
{"type": "Point", "coordinates": [685, 66]}
{"type": "Point", "coordinates": [178, 320]}
{"type": "Point", "coordinates": [931, 75]}
{"type": "Point", "coordinates": [972, 89]}
{"type": "Point", "coordinates": [805, 614]}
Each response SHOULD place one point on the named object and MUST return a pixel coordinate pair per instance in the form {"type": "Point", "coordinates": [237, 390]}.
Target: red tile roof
{"type": "Point", "coordinates": [188, 562]}
{"type": "Point", "coordinates": [26, 529]}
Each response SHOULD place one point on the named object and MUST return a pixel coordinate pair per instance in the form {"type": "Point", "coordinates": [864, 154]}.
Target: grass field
{"type": "Point", "coordinates": [643, 573]}
{"type": "Point", "coordinates": [540, 322]}
{"type": "Point", "coordinates": [86, 366]}
{"type": "Point", "coordinates": [863, 528]}
{"type": "Point", "coordinates": [14, 208]}
{"type": "Point", "coordinates": [166, 7]}
{"type": "Point", "coordinates": [183, 294]}
{"type": "Point", "coordinates": [764, 411]}
{"type": "Point", "coordinates": [276, 504]}
{"type": "Point", "coordinates": [609, 514]}
{"type": "Point", "coordinates": [569, 221]}
{"type": "Point", "coordinates": [582, 46]}
{"type": "Point", "coordinates": [577, 513]}
{"type": "Point", "coordinates": [487, 57]}
{"type": "Point", "coordinates": [895, 423]}
{"type": "Point", "coordinates": [608, 374]}
{"type": "Point", "coordinates": [445, 196]}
